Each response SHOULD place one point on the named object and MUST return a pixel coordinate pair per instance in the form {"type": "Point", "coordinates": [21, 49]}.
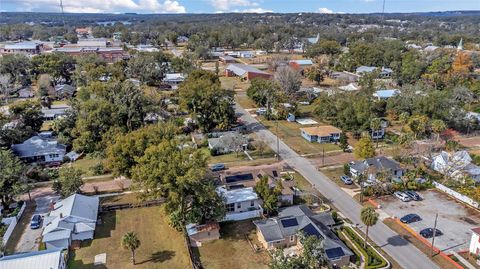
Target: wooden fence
{"type": "Point", "coordinates": [113, 207]}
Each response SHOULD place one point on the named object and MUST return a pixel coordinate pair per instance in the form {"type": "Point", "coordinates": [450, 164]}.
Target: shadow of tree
{"type": "Point", "coordinates": [159, 256]}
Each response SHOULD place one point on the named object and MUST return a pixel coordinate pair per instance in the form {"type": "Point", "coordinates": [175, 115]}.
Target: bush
{"type": "Point", "coordinates": [98, 169]}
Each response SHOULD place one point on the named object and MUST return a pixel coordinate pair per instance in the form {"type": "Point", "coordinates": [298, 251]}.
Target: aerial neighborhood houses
{"type": "Point", "coordinates": [44, 259]}
{"type": "Point", "coordinates": [382, 72]}
{"type": "Point", "coordinates": [226, 142]}
{"type": "Point", "coordinates": [374, 168]}
{"type": "Point", "coordinates": [73, 218]}
{"type": "Point", "coordinates": [321, 134]}
{"type": "Point", "coordinates": [42, 148]}
{"type": "Point", "coordinates": [246, 72]}
{"type": "Point", "coordinates": [283, 232]}
{"type": "Point", "coordinates": [457, 165]}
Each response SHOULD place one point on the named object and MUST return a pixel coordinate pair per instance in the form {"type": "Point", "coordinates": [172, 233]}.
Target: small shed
{"type": "Point", "coordinates": [199, 234]}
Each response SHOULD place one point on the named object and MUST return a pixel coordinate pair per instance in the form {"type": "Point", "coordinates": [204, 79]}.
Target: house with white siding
{"type": "Point", "coordinates": [73, 218]}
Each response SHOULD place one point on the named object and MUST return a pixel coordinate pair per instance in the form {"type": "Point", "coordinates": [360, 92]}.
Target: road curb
{"type": "Point", "coordinates": [427, 243]}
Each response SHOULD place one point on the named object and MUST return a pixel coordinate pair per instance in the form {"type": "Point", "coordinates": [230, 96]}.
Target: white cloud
{"type": "Point", "coordinates": [325, 10]}
{"type": "Point", "coordinates": [226, 5]}
{"type": "Point", "coordinates": [98, 6]}
{"type": "Point", "coordinates": [255, 10]}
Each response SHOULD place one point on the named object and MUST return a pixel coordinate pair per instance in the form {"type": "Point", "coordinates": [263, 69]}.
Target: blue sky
{"type": "Point", "coordinates": [213, 6]}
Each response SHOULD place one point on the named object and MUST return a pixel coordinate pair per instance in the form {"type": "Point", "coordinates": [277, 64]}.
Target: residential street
{"type": "Point", "coordinates": [402, 251]}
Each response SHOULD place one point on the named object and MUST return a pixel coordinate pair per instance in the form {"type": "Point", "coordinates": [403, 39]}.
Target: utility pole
{"type": "Point", "coordinates": [278, 140]}
{"type": "Point", "coordinates": [63, 17]}
{"type": "Point", "coordinates": [323, 155]}
{"type": "Point", "coordinates": [434, 233]}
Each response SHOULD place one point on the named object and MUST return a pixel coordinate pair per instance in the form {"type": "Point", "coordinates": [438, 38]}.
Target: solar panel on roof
{"type": "Point", "coordinates": [334, 253]}
{"type": "Point", "coordinates": [275, 174]}
{"type": "Point", "coordinates": [310, 230]}
{"type": "Point", "coordinates": [236, 178]}
{"type": "Point", "coordinates": [289, 222]}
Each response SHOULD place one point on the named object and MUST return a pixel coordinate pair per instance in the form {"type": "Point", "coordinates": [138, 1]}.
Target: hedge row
{"type": "Point", "coordinates": [374, 260]}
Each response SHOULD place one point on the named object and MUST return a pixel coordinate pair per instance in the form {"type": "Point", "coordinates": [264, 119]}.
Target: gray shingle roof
{"type": "Point", "coordinates": [37, 146]}
{"type": "Point", "coordinates": [380, 163]}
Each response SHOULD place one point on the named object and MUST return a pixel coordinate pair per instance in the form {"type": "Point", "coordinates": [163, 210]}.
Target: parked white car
{"type": "Point", "coordinates": [402, 196]}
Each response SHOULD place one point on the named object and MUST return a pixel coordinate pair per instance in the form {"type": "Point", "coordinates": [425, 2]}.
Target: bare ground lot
{"type": "Point", "coordinates": [455, 220]}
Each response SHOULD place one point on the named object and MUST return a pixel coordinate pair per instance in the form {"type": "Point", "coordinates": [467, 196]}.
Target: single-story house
{"type": "Point", "coordinates": [241, 204]}
{"type": "Point", "coordinates": [202, 233]}
{"type": "Point", "coordinates": [173, 79]}
{"type": "Point", "coordinates": [246, 179]}
{"type": "Point", "coordinates": [384, 72]}
{"type": "Point", "coordinates": [40, 149]}
{"type": "Point", "coordinates": [227, 142]}
{"type": "Point", "coordinates": [246, 54]}
{"type": "Point", "coordinates": [73, 218]}
{"type": "Point", "coordinates": [456, 165]}
{"type": "Point", "coordinates": [64, 90]}
{"type": "Point", "coordinates": [26, 92]}
{"type": "Point", "coordinates": [55, 111]}
{"type": "Point", "coordinates": [227, 59]}
{"type": "Point", "coordinates": [300, 64]}
{"type": "Point", "coordinates": [45, 259]}
{"type": "Point", "coordinates": [384, 94]}
{"type": "Point", "coordinates": [475, 241]}
{"type": "Point", "coordinates": [371, 167]}
{"type": "Point", "coordinates": [321, 134]}
{"type": "Point", "coordinates": [245, 71]}
{"type": "Point", "coordinates": [313, 40]}
{"type": "Point", "coordinates": [283, 232]}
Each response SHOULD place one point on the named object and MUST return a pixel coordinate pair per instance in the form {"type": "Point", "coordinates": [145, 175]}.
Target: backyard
{"type": "Point", "coordinates": [161, 246]}
{"type": "Point", "coordinates": [233, 250]}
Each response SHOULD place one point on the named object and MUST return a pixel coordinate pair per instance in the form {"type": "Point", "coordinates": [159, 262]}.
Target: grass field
{"type": "Point", "coordinates": [267, 156]}
{"type": "Point", "coordinates": [161, 246]}
{"type": "Point", "coordinates": [245, 101]}
{"type": "Point", "coordinates": [233, 83]}
{"type": "Point", "coordinates": [86, 163]}
{"type": "Point", "coordinates": [232, 250]}
{"type": "Point", "coordinates": [289, 132]}
{"type": "Point", "coordinates": [334, 175]}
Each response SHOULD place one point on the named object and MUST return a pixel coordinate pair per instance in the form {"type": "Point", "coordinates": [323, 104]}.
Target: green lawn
{"type": "Point", "coordinates": [86, 163]}
{"type": "Point", "coordinates": [289, 132]}
{"type": "Point", "coordinates": [232, 83]}
{"type": "Point", "coordinates": [245, 101]}
{"type": "Point", "coordinates": [236, 159]}
{"type": "Point", "coordinates": [232, 250]}
{"type": "Point", "coordinates": [161, 246]}
{"type": "Point", "coordinates": [334, 175]}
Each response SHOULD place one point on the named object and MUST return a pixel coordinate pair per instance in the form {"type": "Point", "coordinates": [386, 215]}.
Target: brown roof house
{"type": "Point", "coordinates": [199, 234]}
{"type": "Point", "coordinates": [321, 134]}
{"type": "Point", "coordinates": [283, 232]}
{"type": "Point", "coordinates": [247, 179]}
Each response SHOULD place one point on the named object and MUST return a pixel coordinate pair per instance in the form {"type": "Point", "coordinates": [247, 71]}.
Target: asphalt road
{"type": "Point", "coordinates": [406, 255]}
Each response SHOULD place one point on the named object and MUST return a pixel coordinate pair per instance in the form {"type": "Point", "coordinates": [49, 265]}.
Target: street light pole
{"type": "Point", "coordinates": [434, 233]}
{"type": "Point", "coordinates": [278, 140]}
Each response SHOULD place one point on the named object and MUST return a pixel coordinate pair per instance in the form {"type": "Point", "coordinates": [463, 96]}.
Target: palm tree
{"type": "Point", "coordinates": [375, 125]}
{"type": "Point", "coordinates": [130, 241]}
{"type": "Point", "coordinates": [369, 217]}
{"type": "Point", "coordinates": [438, 126]}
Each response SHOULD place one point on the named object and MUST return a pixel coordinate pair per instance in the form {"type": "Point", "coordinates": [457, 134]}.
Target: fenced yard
{"type": "Point", "coordinates": [233, 250]}
{"type": "Point", "coordinates": [161, 246]}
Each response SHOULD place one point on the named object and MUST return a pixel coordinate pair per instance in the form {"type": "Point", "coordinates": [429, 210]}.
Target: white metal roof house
{"type": "Point", "coordinates": [73, 218]}
{"type": "Point", "coordinates": [242, 203]}
{"type": "Point", "coordinates": [173, 79]}
{"type": "Point", "coordinates": [456, 165]}
{"type": "Point", "coordinates": [55, 111]}
{"type": "Point", "coordinates": [45, 259]}
{"type": "Point", "coordinates": [40, 149]}
{"type": "Point", "coordinates": [386, 93]}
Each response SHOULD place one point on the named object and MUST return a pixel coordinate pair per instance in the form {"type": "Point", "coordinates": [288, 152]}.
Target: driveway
{"type": "Point", "coordinates": [454, 219]}
{"type": "Point", "coordinates": [30, 239]}
{"type": "Point", "coordinates": [407, 255]}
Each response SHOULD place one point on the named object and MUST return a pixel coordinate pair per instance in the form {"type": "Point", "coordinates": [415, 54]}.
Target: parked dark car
{"type": "Point", "coordinates": [346, 180]}
{"type": "Point", "coordinates": [413, 195]}
{"type": "Point", "coordinates": [217, 167]}
{"type": "Point", "coordinates": [36, 222]}
{"type": "Point", "coordinates": [428, 232]}
{"type": "Point", "coordinates": [410, 218]}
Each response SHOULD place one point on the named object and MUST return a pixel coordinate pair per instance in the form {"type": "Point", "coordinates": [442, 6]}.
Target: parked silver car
{"type": "Point", "coordinates": [402, 196]}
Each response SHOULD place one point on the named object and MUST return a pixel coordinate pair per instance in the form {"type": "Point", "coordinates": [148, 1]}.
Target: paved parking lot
{"type": "Point", "coordinates": [455, 220]}
{"type": "Point", "coordinates": [31, 238]}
